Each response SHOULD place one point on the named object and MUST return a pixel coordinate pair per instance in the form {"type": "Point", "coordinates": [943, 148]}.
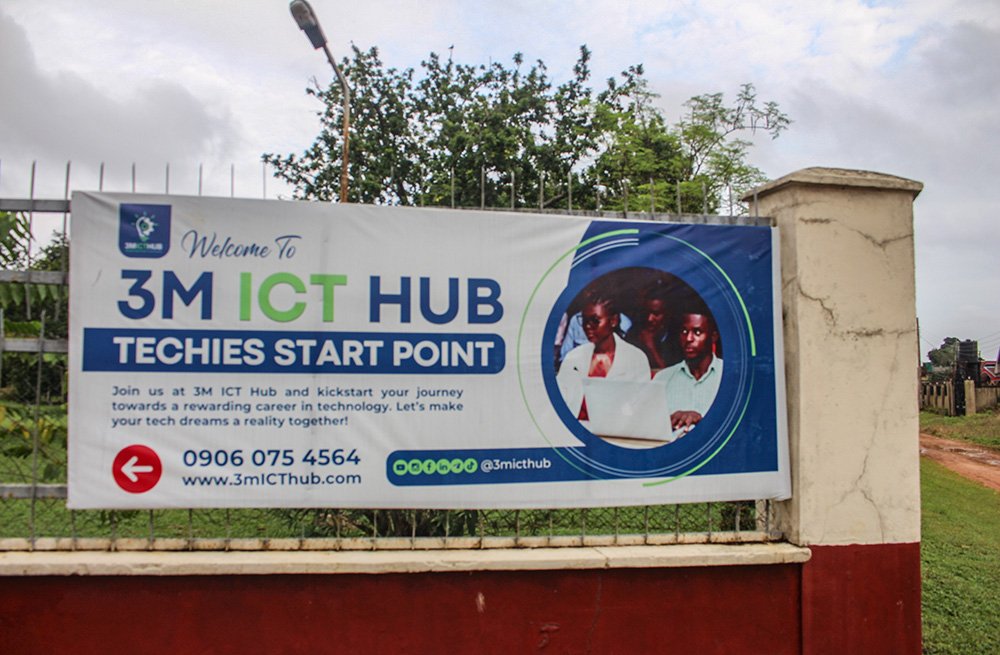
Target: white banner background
{"type": "Point", "coordinates": [268, 460]}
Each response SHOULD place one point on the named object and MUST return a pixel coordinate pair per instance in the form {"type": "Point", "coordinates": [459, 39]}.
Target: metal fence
{"type": "Point", "coordinates": [34, 428]}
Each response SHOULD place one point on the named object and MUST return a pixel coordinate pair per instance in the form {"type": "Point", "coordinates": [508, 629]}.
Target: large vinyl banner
{"type": "Point", "coordinates": [240, 353]}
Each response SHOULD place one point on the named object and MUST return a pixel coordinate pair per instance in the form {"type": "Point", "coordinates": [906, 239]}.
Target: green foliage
{"type": "Point", "coordinates": [498, 135]}
{"type": "Point", "coordinates": [960, 564]}
{"type": "Point", "coordinates": [14, 240]}
{"type": "Point", "coordinates": [383, 148]}
{"type": "Point", "coordinates": [23, 308]}
{"type": "Point", "coordinates": [25, 302]}
{"type": "Point", "coordinates": [15, 296]}
{"type": "Point", "coordinates": [709, 122]}
{"type": "Point", "coordinates": [642, 160]}
{"type": "Point", "coordinates": [946, 354]}
{"type": "Point", "coordinates": [18, 425]}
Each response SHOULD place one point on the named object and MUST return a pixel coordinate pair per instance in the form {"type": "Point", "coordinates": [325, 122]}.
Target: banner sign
{"type": "Point", "coordinates": [239, 353]}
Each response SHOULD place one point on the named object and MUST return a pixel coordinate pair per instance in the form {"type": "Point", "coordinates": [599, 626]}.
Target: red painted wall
{"type": "Point", "coordinates": [835, 603]}
{"type": "Point", "coordinates": [862, 599]}
{"type": "Point", "coordinates": [713, 610]}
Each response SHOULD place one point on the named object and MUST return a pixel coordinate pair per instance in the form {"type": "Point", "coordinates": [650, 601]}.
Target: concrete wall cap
{"type": "Point", "coordinates": [431, 561]}
{"type": "Point", "coordinates": [819, 176]}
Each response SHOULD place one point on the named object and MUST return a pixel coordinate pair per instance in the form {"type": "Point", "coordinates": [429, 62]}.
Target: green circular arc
{"type": "Point", "coordinates": [520, 335]}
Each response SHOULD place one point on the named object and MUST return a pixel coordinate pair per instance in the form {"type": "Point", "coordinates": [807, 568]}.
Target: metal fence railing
{"type": "Point", "coordinates": [34, 428]}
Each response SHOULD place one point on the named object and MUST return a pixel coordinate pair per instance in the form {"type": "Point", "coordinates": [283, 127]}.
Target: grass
{"type": "Point", "coordinates": [982, 429]}
{"type": "Point", "coordinates": [960, 562]}
{"type": "Point", "coordinates": [960, 550]}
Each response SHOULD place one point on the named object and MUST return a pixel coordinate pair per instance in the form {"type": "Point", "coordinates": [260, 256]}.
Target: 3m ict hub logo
{"type": "Point", "coordinates": [144, 230]}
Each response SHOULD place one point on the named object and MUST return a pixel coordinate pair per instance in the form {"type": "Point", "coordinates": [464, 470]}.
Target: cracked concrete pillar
{"type": "Point", "coordinates": [848, 301]}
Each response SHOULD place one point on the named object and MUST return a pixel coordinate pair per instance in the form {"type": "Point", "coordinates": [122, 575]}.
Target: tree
{"type": "Point", "coordinates": [23, 429]}
{"type": "Point", "coordinates": [23, 303]}
{"type": "Point", "coordinates": [709, 122]}
{"type": "Point", "coordinates": [947, 354]}
{"type": "Point", "coordinates": [639, 155]}
{"type": "Point", "coordinates": [383, 148]}
{"type": "Point", "coordinates": [23, 306]}
{"type": "Point", "coordinates": [497, 135]}
{"type": "Point", "coordinates": [14, 240]}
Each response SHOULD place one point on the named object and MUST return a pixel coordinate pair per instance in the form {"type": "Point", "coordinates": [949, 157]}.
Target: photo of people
{"type": "Point", "coordinates": [692, 384]}
{"type": "Point", "coordinates": [604, 355]}
{"type": "Point", "coordinates": [651, 330]}
{"type": "Point", "coordinates": [646, 384]}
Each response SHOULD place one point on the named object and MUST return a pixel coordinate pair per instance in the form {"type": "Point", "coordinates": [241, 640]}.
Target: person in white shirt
{"type": "Point", "coordinates": [691, 385]}
{"type": "Point", "coordinates": [605, 355]}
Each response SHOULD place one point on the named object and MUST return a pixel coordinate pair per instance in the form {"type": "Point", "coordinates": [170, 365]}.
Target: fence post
{"type": "Point", "coordinates": [852, 422]}
{"type": "Point", "coordinates": [970, 397]}
{"type": "Point", "coordinates": [541, 190]}
{"type": "Point", "coordinates": [569, 190]}
{"type": "Point", "coordinates": [848, 398]}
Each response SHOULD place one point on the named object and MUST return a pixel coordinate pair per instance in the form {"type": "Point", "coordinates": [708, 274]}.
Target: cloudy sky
{"type": "Point", "coordinates": [907, 87]}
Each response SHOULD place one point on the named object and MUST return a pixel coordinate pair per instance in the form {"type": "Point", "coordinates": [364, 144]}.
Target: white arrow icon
{"type": "Point", "coordinates": [130, 468]}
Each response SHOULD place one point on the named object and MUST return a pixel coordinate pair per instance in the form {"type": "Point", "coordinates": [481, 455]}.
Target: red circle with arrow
{"type": "Point", "coordinates": [137, 469]}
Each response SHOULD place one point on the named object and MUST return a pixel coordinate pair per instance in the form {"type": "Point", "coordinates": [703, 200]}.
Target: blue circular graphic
{"type": "Point", "coordinates": [664, 248]}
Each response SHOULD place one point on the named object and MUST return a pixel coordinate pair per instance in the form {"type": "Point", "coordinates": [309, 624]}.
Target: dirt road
{"type": "Point", "coordinates": [971, 461]}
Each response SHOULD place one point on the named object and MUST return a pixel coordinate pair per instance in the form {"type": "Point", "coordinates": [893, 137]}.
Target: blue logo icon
{"type": "Point", "coordinates": [144, 230]}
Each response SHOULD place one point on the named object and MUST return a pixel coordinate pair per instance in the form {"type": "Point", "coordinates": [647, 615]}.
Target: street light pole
{"type": "Point", "coordinates": [308, 23]}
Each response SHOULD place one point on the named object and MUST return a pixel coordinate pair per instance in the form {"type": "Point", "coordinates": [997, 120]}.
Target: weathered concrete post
{"type": "Point", "coordinates": [848, 299]}
{"type": "Point", "coordinates": [970, 397]}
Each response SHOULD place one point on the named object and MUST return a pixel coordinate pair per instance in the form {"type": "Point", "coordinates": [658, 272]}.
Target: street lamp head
{"type": "Point", "coordinates": [306, 19]}
{"type": "Point", "coordinates": [308, 23]}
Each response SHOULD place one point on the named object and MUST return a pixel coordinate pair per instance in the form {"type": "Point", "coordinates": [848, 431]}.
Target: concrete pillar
{"type": "Point", "coordinates": [848, 300]}
{"type": "Point", "coordinates": [850, 343]}
{"type": "Point", "coordinates": [970, 397]}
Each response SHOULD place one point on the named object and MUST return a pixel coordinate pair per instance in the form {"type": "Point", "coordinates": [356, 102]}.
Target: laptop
{"type": "Point", "coordinates": [630, 412]}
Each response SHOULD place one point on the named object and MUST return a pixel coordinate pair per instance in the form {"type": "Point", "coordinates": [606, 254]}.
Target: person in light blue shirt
{"type": "Point", "coordinates": [691, 385]}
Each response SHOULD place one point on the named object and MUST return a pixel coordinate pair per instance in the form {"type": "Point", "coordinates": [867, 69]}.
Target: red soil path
{"type": "Point", "coordinates": [976, 463]}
